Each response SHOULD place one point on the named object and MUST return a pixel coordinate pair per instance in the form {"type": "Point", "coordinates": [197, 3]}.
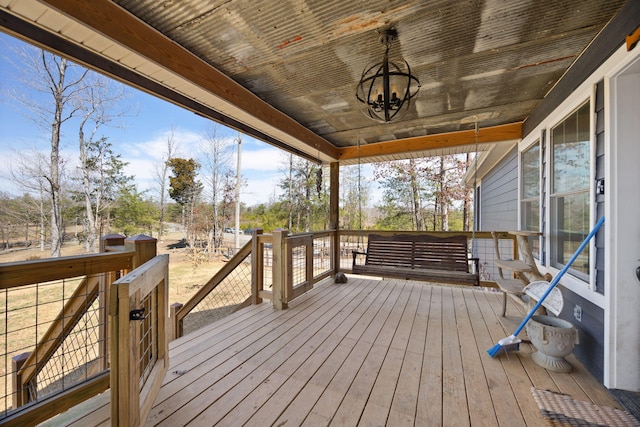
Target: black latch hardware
{"type": "Point", "coordinates": [600, 186]}
{"type": "Point", "coordinates": [137, 314]}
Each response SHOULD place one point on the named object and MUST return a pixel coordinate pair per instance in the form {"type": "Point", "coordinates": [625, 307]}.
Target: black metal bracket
{"type": "Point", "coordinates": [137, 314]}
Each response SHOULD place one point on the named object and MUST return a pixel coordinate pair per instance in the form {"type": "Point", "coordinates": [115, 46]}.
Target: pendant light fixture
{"type": "Point", "coordinates": [385, 89]}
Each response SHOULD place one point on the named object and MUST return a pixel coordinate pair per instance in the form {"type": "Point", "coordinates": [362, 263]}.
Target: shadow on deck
{"type": "Point", "coordinates": [369, 352]}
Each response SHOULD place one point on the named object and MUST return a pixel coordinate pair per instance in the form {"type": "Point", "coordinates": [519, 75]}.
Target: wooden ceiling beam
{"type": "Point", "coordinates": [114, 22]}
{"type": "Point", "coordinates": [430, 142]}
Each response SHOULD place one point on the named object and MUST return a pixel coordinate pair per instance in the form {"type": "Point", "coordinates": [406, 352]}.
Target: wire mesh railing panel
{"type": "Point", "coordinates": [148, 335]}
{"type": "Point", "coordinates": [321, 255]}
{"type": "Point", "coordinates": [349, 244]}
{"type": "Point", "coordinates": [506, 248]}
{"type": "Point", "coordinates": [484, 249]}
{"type": "Point", "coordinates": [27, 313]}
{"type": "Point", "coordinates": [233, 290]}
{"type": "Point", "coordinates": [267, 271]}
{"type": "Point", "coordinates": [298, 265]}
{"type": "Point", "coordinates": [77, 359]}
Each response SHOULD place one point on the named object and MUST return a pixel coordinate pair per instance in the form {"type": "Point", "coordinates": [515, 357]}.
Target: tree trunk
{"type": "Point", "coordinates": [91, 235]}
{"type": "Point", "coordinates": [56, 212]}
{"type": "Point", "coordinates": [54, 176]}
{"type": "Point", "coordinates": [43, 219]}
{"type": "Point", "coordinates": [466, 210]}
{"type": "Point", "coordinates": [415, 193]}
{"type": "Point", "coordinates": [290, 222]}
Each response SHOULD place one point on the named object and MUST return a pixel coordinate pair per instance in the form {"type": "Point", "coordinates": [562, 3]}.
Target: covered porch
{"type": "Point", "coordinates": [368, 352]}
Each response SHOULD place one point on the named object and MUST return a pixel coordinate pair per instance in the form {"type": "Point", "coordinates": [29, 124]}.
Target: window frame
{"type": "Point", "coordinates": [535, 242]}
{"type": "Point", "coordinates": [554, 196]}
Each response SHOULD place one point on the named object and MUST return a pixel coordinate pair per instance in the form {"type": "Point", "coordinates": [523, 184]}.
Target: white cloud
{"type": "Point", "coordinates": [261, 188]}
{"type": "Point", "coordinates": [186, 143]}
{"type": "Point", "coordinates": [264, 159]}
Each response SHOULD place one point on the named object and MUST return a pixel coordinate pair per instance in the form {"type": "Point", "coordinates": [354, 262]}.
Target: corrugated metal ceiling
{"type": "Point", "coordinates": [487, 60]}
{"type": "Point", "coordinates": [494, 60]}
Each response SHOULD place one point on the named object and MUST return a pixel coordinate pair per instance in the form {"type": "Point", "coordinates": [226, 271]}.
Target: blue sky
{"type": "Point", "coordinates": [141, 141]}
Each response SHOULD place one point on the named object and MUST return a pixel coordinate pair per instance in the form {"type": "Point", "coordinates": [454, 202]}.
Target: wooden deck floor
{"type": "Point", "coordinates": [367, 352]}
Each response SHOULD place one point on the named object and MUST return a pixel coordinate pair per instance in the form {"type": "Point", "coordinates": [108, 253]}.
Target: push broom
{"type": "Point", "coordinates": [512, 342]}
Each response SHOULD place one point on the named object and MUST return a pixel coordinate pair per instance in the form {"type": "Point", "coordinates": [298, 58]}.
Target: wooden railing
{"type": "Point", "coordinates": [138, 314]}
{"type": "Point", "coordinates": [77, 334]}
{"type": "Point", "coordinates": [285, 266]}
{"type": "Point", "coordinates": [179, 311]}
{"type": "Point", "coordinates": [282, 268]}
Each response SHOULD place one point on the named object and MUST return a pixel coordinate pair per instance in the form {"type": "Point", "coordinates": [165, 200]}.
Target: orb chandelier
{"type": "Point", "coordinates": [385, 89]}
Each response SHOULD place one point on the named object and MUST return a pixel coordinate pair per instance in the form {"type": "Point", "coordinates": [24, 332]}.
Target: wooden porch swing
{"type": "Point", "coordinates": [423, 257]}
{"type": "Point", "coordinates": [419, 257]}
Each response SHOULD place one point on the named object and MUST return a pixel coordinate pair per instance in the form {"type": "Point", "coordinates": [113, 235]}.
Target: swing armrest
{"type": "Point", "coordinates": [355, 254]}
{"type": "Point", "coordinates": [476, 262]}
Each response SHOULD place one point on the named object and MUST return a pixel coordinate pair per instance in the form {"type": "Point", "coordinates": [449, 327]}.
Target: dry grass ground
{"type": "Point", "coordinates": [185, 277]}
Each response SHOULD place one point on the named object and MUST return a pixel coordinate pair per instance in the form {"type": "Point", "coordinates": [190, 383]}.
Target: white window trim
{"type": "Point", "coordinates": [540, 192]}
{"type": "Point", "coordinates": [584, 93]}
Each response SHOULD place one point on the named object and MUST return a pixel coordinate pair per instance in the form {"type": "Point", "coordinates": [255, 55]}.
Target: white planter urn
{"type": "Point", "coordinates": [554, 339]}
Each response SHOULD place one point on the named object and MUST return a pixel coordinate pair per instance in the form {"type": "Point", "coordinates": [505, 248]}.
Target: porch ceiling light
{"type": "Point", "coordinates": [385, 89]}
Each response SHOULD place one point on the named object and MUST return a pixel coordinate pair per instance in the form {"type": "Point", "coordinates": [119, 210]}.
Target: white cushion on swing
{"type": "Point", "coordinates": [553, 302]}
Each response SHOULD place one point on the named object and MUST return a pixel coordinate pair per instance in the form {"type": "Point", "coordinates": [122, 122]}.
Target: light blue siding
{"type": "Point", "coordinates": [499, 195]}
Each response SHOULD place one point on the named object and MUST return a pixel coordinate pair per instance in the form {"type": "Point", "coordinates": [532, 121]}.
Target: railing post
{"type": "Point", "coordinates": [176, 325]}
{"type": "Point", "coordinates": [20, 392]}
{"type": "Point", "coordinates": [334, 214]}
{"type": "Point", "coordinates": [132, 358]}
{"type": "Point", "coordinates": [257, 267]}
{"type": "Point", "coordinates": [144, 248]}
{"type": "Point", "coordinates": [280, 298]}
{"type": "Point", "coordinates": [309, 251]}
{"type": "Point", "coordinates": [111, 243]}
{"type": "Point", "coordinates": [108, 243]}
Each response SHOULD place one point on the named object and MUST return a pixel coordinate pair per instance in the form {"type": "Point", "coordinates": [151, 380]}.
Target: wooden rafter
{"type": "Point", "coordinates": [429, 142]}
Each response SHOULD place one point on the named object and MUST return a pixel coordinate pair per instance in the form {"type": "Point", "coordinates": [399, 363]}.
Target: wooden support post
{"type": "Point", "coordinates": [257, 267]}
{"type": "Point", "coordinates": [279, 269]}
{"type": "Point", "coordinates": [309, 262]}
{"type": "Point", "coordinates": [111, 243]}
{"type": "Point", "coordinates": [132, 398]}
{"type": "Point", "coordinates": [144, 247]}
{"type": "Point", "coordinates": [20, 391]}
{"type": "Point", "coordinates": [108, 243]}
{"type": "Point", "coordinates": [176, 325]}
{"type": "Point", "coordinates": [334, 214]}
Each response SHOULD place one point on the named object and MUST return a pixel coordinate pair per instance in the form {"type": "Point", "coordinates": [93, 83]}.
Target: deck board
{"type": "Point", "coordinates": [369, 352]}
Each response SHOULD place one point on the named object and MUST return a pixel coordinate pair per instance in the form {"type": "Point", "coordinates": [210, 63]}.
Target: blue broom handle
{"type": "Point", "coordinates": [556, 279]}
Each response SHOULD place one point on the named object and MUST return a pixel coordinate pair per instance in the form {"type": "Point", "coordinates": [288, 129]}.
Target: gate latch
{"type": "Point", "coordinates": [137, 314]}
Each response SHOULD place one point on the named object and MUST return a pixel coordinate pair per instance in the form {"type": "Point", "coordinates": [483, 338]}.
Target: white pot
{"type": "Point", "coordinates": [554, 339]}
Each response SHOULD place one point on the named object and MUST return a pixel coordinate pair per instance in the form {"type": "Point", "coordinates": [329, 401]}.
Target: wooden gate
{"type": "Point", "coordinates": [138, 313]}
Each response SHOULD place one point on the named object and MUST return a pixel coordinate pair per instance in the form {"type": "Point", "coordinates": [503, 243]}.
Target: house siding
{"type": "Point", "coordinates": [499, 195]}
{"type": "Point", "coordinates": [590, 350]}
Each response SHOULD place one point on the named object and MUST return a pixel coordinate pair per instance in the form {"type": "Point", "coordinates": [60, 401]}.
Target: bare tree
{"type": "Point", "coordinates": [29, 173]}
{"type": "Point", "coordinates": [98, 105]}
{"type": "Point", "coordinates": [217, 154]}
{"type": "Point", "coordinates": [43, 74]}
{"type": "Point", "coordinates": [162, 175]}
{"type": "Point", "coordinates": [354, 197]}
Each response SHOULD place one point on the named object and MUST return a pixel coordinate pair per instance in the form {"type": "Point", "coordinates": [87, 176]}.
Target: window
{"type": "Point", "coordinates": [530, 194]}
{"type": "Point", "coordinates": [571, 163]}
